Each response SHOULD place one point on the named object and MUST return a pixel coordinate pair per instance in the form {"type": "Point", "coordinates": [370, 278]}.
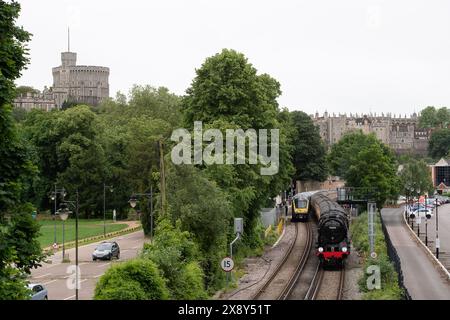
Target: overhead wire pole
{"type": "Point", "coordinates": [162, 177]}
{"type": "Point", "coordinates": [76, 250]}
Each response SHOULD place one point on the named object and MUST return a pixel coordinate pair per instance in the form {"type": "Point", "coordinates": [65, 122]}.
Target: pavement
{"type": "Point", "coordinates": [59, 278]}
{"type": "Point", "coordinates": [422, 277]}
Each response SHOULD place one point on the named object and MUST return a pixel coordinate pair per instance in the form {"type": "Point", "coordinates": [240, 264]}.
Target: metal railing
{"type": "Point", "coordinates": [393, 256]}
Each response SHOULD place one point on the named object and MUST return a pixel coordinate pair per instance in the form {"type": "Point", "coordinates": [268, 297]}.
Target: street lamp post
{"type": "Point", "coordinates": [133, 201]}
{"type": "Point", "coordinates": [54, 198]}
{"type": "Point", "coordinates": [104, 207]}
{"type": "Point", "coordinates": [426, 220]}
{"type": "Point", "coordinates": [64, 214]}
{"type": "Point", "coordinates": [437, 243]}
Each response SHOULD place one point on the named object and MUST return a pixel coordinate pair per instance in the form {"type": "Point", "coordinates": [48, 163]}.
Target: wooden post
{"type": "Point", "coordinates": [162, 178]}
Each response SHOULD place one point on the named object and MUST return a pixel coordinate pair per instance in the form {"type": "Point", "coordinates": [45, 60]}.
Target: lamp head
{"type": "Point", "coordinates": [133, 201]}
{"type": "Point", "coordinates": [63, 212]}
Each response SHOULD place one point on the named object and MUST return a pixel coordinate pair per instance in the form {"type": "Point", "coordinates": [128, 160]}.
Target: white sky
{"type": "Point", "coordinates": [340, 56]}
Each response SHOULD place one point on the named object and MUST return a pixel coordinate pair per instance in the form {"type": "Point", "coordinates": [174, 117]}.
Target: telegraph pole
{"type": "Point", "coordinates": [162, 177]}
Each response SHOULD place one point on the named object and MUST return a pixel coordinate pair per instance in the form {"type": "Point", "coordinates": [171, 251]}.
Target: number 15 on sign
{"type": "Point", "coordinates": [227, 264]}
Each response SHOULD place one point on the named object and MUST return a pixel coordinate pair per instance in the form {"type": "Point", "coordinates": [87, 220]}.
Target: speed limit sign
{"type": "Point", "coordinates": [227, 264]}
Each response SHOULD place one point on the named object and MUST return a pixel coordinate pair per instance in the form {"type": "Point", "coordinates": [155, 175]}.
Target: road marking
{"type": "Point", "coordinates": [103, 264]}
{"type": "Point", "coordinates": [42, 276]}
{"type": "Point", "coordinates": [48, 282]}
{"type": "Point", "coordinates": [136, 247]}
{"type": "Point", "coordinates": [98, 276]}
{"type": "Point", "coordinates": [68, 298]}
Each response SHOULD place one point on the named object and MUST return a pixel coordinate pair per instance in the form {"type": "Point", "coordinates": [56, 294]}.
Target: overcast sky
{"type": "Point", "coordinates": [340, 56]}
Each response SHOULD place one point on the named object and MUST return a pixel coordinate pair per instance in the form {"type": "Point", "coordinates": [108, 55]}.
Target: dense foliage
{"type": "Point", "coordinates": [227, 93]}
{"type": "Point", "coordinates": [415, 178]}
{"type": "Point", "coordinates": [309, 150]}
{"type": "Point", "coordinates": [365, 162]}
{"type": "Point", "coordinates": [430, 117]}
{"type": "Point", "coordinates": [137, 279]}
{"type": "Point", "coordinates": [439, 145]}
{"type": "Point", "coordinates": [390, 289]}
{"type": "Point", "coordinates": [19, 249]}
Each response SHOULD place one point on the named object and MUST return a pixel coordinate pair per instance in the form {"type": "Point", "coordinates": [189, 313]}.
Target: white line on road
{"type": "Point", "coordinates": [68, 298]}
{"type": "Point", "coordinates": [42, 276]}
{"type": "Point", "coordinates": [98, 276]}
{"type": "Point", "coordinates": [48, 282]}
{"type": "Point", "coordinates": [103, 264]}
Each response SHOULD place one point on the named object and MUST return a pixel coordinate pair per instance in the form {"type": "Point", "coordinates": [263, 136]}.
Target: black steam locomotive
{"type": "Point", "coordinates": [333, 243]}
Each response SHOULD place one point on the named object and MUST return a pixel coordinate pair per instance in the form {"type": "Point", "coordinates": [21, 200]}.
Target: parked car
{"type": "Point", "coordinates": [422, 213]}
{"type": "Point", "coordinates": [106, 250]}
{"type": "Point", "coordinates": [39, 292]}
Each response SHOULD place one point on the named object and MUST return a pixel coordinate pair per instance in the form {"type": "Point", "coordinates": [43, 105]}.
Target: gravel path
{"type": "Point", "coordinates": [257, 269]}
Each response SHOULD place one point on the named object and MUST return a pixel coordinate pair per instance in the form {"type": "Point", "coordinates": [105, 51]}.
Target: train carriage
{"type": "Point", "coordinates": [300, 208]}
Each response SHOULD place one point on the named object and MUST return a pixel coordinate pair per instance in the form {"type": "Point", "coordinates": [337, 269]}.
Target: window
{"type": "Point", "coordinates": [443, 175]}
{"type": "Point", "coordinates": [37, 289]}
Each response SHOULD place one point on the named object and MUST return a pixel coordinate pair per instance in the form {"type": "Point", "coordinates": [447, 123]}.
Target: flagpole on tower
{"type": "Point", "coordinates": [68, 39]}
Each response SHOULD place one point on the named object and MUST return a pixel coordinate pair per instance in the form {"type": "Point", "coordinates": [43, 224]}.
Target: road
{"type": "Point", "coordinates": [56, 277]}
{"type": "Point", "coordinates": [421, 276]}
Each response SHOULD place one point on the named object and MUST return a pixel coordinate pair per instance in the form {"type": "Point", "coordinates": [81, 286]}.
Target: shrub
{"type": "Point", "coordinates": [390, 289]}
{"type": "Point", "coordinates": [137, 279]}
{"type": "Point", "coordinates": [176, 255]}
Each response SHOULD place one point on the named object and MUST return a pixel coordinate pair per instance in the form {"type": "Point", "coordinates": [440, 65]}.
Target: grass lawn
{"type": "Point", "coordinates": [86, 229]}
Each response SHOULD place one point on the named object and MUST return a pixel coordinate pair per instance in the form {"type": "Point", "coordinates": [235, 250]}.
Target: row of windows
{"type": "Point", "coordinates": [88, 70]}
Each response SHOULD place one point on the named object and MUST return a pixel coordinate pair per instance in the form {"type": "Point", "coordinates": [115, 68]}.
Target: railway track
{"type": "Point", "coordinates": [283, 279]}
{"type": "Point", "coordinates": [334, 288]}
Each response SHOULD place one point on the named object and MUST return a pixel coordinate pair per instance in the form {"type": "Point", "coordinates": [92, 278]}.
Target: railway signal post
{"type": "Point", "coordinates": [238, 230]}
{"type": "Point", "coordinates": [371, 208]}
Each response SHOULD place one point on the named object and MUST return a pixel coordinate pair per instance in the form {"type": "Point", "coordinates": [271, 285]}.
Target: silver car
{"type": "Point", "coordinates": [39, 292]}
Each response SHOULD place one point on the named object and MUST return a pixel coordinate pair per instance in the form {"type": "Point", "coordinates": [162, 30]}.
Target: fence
{"type": "Point", "coordinates": [393, 256]}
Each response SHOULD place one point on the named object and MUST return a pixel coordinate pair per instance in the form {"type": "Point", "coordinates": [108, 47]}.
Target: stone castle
{"type": "Point", "coordinates": [72, 83]}
{"type": "Point", "coordinates": [403, 135]}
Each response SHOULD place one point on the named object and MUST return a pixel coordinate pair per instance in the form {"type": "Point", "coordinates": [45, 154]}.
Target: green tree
{"type": "Point", "coordinates": [415, 178]}
{"type": "Point", "coordinates": [308, 148]}
{"type": "Point", "coordinates": [22, 90]}
{"type": "Point", "coordinates": [364, 162]}
{"type": "Point", "coordinates": [19, 251]}
{"type": "Point", "coordinates": [176, 255]}
{"type": "Point", "coordinates": [70, 154]}
{"type": "Point", "coordinates": [428, 117]}
{"type": "Point", "coordinates": [439, 144]}
{"type": "Point", "coordinates": [373, 169]}
{"type": "Point", "coordinates": [443, 117]}
{"type": "Point", "coordinates": [137, 279]}
{"type": "Point", "coordinates": [13, 50]}
{"type": "Point", "coordinates": [205, 211]}
{"type": "Point", "coordinates": [227, 93]}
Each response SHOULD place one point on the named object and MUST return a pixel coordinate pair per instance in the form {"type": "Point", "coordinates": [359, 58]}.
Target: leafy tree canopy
{"type": "Point", "coordinates": [364, 162]}
{"type": "Point", "coordinates": [430, 117]}
{"type": "Point", "coordinates": [308, 148]}
{"type": "Point", "coordinates": [439, 144]}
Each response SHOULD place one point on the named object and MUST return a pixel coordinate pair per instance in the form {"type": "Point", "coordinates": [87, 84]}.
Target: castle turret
{"type": "Point", "coordinates": [68, 59]}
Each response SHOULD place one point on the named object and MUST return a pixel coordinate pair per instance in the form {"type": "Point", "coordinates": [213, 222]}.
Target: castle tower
{"type": "Point", "coordinates": [79, 84]}
{"type": "Point", "coordinates": [68, 59]}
